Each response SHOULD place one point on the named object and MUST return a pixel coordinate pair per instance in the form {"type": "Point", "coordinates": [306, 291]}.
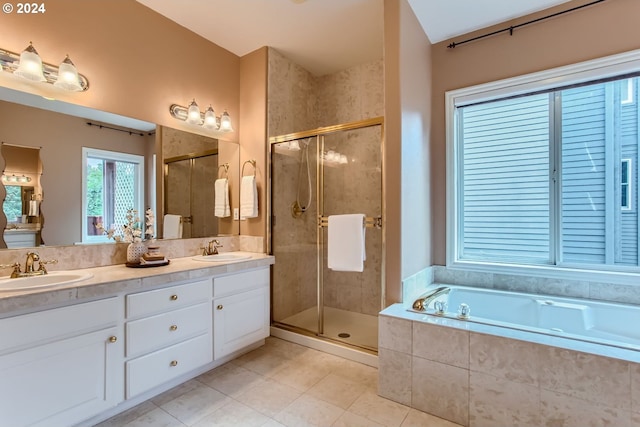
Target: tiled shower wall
{"type": "Point", "coordinates": [299, 101]}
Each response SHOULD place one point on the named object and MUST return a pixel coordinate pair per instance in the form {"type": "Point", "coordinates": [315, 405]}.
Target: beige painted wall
{"type": "Point", "coordinates": [253, 136]}
{"type": "Point", "coordinates": [137, 61]}
{"type": "Point", "coordinates": [407, 129]}
{"type": "Point", "coordinates": [600, 30]}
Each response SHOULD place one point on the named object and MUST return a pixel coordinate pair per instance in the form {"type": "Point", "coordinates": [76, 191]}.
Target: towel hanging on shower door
{"type": "Point", "coordinates": [346, 246]}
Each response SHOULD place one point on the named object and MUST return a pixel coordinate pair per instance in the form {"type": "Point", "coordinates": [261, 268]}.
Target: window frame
{"type": "Point", "coordinates": [118, 157]}
{"type": "Point", "coordinates": [584, 72]}
{"type": "Point", "coordinates": [627, 97]}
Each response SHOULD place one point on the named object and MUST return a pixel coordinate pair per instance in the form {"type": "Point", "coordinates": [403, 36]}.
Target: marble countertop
{"type": "Point", "coordinates": [115, 279]}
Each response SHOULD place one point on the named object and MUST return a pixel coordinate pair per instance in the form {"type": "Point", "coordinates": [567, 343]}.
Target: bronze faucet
{"type": "Point", "coordinates": [212, 248]}
{"type": "Point", "coordinates": [29, 269]}
{"type": "Point", "coordinates": [28, 265]}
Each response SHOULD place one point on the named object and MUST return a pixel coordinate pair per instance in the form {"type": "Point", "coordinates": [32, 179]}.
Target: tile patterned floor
{"type": "Point", "coordinates": [279, 384]}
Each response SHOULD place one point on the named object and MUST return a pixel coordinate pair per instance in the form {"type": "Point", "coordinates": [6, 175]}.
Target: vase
{"type": "Point", "coordinates": [135, 251]}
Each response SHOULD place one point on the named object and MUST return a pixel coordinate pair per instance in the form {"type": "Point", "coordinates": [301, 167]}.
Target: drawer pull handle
{"type": "Point", "coordinates": [174, 363]}
{"type": "Point", "coordinates": [174, 298]}
{"type": "Point", "coordinates": [113, 339]}
{"type": "Point", "coordinates": [220, 307]}
{"type": "Point", "coordinates": [173, 327]}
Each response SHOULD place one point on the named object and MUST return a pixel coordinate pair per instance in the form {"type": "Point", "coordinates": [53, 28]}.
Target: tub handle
{"type": "Point", "coordinates": [464, 311]}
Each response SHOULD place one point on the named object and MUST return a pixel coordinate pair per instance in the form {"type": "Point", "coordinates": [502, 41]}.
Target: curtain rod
{"type": "Point", "coordinates": [513, 27]}
{"type": "Point", "coordinates": [130, 132]}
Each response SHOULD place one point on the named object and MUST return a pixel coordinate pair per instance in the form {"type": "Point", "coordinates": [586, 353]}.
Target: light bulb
{"type": "Point", "coordinates": [294, 146]}
{"type": "Point", "coordinates": [225, 122]}
{"type": "Point", "coordinates": [210, 121]}
{"type": "Point", "coordinates": [68, 76]}
{"type": "Point", "coordinates": [30, 66]}
{"type": "Point", "coordinates": [193, 114]}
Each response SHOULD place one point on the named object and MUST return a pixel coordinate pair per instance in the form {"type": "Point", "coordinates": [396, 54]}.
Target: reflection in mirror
{"type": "Point", "coordinates": [31, 121]}
{"type": "Point", "coordinates": [192, 163]}
{"type": "Point", "coordinates": [23, 219]}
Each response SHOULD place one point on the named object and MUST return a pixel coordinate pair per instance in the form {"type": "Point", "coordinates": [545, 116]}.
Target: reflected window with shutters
{"type": "Point", "coordinates": [112, 184]}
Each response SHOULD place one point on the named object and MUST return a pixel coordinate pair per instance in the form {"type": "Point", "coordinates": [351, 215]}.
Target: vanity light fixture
{"type": "Point", "coordinates": [207, 120]}
{"type": "Point", "coordinates": [14, 178]}
{"type": "Point", "coordinates": [193, 114]}
{"type": "Point", "coordinates": [28, 65]}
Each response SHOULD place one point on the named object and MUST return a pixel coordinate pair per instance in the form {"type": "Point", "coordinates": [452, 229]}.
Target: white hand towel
{"type": "Point", "coordinates": [33, 208]}
{"type": "Point", "coordinates": [221, 198]}
{"type": "Point", "coordinates": [346, 246]}
{"type": "Point", "coordinates": [172, 227]}
{"type": "Point", "coordinates": [248, 197]}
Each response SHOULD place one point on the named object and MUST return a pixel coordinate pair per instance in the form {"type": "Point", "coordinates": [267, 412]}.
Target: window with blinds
{"type": "Point", "coordinates": [548, 179]}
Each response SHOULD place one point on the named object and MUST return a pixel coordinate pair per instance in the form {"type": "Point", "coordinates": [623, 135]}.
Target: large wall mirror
{"type": "Point", "coordinates": [48, 176]}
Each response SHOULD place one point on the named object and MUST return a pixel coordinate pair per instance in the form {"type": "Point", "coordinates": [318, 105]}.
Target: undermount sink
{"type": "Point", "coordinates": [54, 278]}
{"type": "Point", "coordinates": [225, 257]}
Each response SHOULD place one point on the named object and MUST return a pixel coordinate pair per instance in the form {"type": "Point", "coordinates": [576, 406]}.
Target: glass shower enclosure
{"type": "Point", "coordinates": [315, 174]}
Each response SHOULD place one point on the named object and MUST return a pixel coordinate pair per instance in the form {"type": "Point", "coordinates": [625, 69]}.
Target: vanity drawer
{"type": "Point", "coordinates": [158, 331]}
{"type": "Point", "coordinates": [160, 300]}
{"type": "Point", "coordinates": [153, 369]}
{"type": "Point", "coordinates": [36, 328]}
{"type": "Point", "coordinates": [240, 282]}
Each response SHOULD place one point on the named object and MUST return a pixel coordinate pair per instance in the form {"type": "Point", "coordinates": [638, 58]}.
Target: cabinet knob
{"type": "Point", "coordinates": [174, 363]}
{"type": "Point", "coordinates": [113, 339]}
{"type": "Point", "coordinates": [220, 307]}
{"type": "Point", "coordinates": [173, 327]}
{"type": "Point", "coordinates": [173, 297]}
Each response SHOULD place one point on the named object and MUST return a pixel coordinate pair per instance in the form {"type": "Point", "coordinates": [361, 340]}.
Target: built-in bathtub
{"type": "Point", "coordinates": [609, 324]}
{"type": "Point", "coordinates": [518, 359]}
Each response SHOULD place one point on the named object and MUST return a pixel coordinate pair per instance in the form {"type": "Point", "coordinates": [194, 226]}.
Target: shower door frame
{"type": "Point", "coordinates": [191, 157]}
{"type": "Point", "coordinates": [320, 133]}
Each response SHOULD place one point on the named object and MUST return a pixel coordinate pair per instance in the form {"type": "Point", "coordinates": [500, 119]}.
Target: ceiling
{"type": "Point", "coordinates": [325, 36]}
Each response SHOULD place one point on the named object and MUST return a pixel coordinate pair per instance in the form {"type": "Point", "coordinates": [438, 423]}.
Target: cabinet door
{"type": "Point", "coordinates": [63, 382]}
{"type": "Point", "coordinates": [240, 320]}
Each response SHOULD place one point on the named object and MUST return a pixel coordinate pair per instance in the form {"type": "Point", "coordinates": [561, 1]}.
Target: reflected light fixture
{"type": "Point", "coordinates": [207, 120]}
{"type": "Point", "coordinates": [28, 65]}
{"type": "Point", "coordinates": [14, 178]}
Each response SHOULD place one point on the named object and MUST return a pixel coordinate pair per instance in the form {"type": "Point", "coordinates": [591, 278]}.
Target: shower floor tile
{"type": "Point", "coordinates": [361, 328]}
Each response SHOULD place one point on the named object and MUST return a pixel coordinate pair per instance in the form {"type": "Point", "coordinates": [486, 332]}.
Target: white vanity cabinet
{"type": "Point", "coordinates": [240, 310]}
{"type": "Point", "coordinates": [168, 334]}
{"type": "Point", "coordinates": [61, 366]}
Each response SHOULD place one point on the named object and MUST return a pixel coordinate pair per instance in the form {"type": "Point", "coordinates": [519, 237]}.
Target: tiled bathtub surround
{"type": "Point", "coordinates": [478, 379]}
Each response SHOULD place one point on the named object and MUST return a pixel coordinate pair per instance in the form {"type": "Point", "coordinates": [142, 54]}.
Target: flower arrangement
{"type": "Point", "coordinates": [131, 232]}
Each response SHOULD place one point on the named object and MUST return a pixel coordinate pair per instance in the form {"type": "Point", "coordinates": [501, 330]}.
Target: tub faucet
{"type": "Point", "coordinates": [425, 299]}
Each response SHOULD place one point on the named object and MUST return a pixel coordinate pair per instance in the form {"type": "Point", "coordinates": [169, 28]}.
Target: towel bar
{"type": "Point", "coordinates": [226, 170]}
{"type": "Point", "coordinates": [369, 222]}
{"type": "Point", "coordinates": [253, 163]}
